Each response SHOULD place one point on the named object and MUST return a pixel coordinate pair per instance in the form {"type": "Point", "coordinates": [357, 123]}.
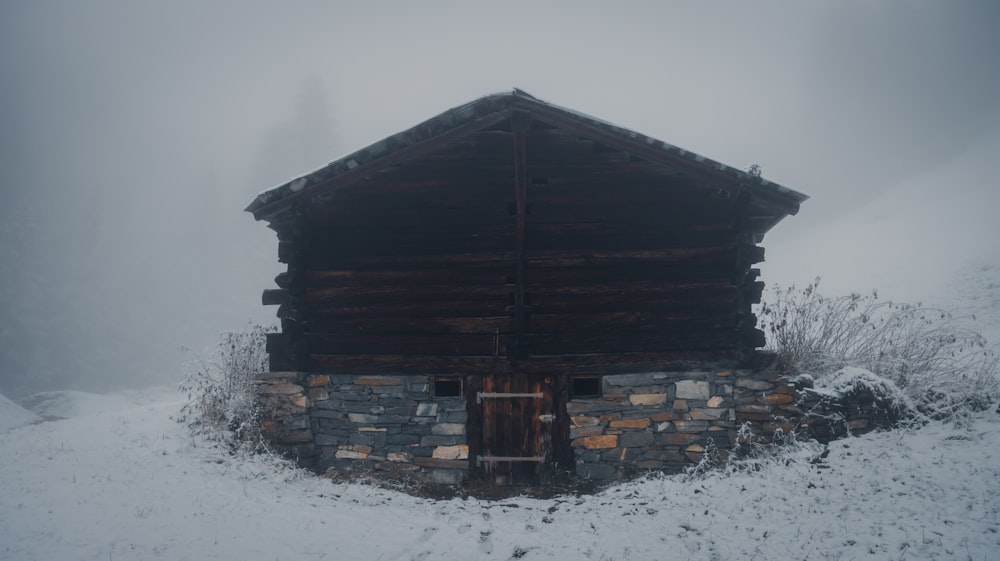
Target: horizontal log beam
{"type": "Point", "coordinates": [593, 363]}
{"type": "Point", "coordinates": [274, 297]}
{"type": "Point", "coordinates": [674, 337]}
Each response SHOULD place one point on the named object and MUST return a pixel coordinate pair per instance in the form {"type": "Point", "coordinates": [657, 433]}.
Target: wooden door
{"type": "Point", "coordinates": [517, 416]}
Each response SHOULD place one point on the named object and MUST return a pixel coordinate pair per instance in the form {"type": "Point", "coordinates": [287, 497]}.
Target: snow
{"type": "Point", "coordinates": [128, 482]}
{"type": "Point", "coordinates": [65, 404]}
{"type": "Point", "coordinates": [13, 415]}
{"type": "Point", "coordinates": [851, 378]}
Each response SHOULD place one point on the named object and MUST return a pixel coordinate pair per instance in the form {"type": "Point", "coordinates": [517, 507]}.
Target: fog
{"type": "Point", "coordinates": [132, 135]}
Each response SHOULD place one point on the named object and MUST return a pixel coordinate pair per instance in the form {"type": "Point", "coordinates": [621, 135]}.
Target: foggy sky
{"type": "Point", "coordinates": [132, 134]}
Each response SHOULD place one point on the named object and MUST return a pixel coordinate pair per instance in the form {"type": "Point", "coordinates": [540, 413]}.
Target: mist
{"type": "Point", "coordinates": [133, 135]}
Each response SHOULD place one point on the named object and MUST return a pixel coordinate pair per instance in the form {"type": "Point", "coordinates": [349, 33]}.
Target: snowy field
{"type": "Point", "coordinates": [120, 480]}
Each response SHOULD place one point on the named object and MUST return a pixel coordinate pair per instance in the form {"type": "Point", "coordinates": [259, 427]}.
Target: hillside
{"type": "Point", "coordinates": [930, 238]}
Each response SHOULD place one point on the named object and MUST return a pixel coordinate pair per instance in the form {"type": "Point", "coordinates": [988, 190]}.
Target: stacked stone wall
{"type": "Point", "coordinates": [647, 421]}
{"type": "Point", "coordinates": [368, 423]}
{"type": "Point", "coordinates": [654, 420]}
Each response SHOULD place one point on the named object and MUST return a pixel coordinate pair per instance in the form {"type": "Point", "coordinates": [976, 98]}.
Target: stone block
{"type": "Point", "coordinates": [442, 440]}
{"type": "Point", "coordinates": [318, 394]}
{"type": "Point", "coordinates": [753, 408]}
{"type": "Point", "coordinates": [320, 380]}
{"type": "Point", "coordinates": [362, 418]}
{"type": "Point", "coordinates": [631, 423]}
{"type": "Point", "coordinates": [398, 439]}
{"type": "Point", "coordinates": [323, 413]}
{"type": "Point", "coordinates": [402, 411]}
{"type": "Point", "coordinates": [691, 426]}
{"type": "Point", "coordinates": [427, 409]}
{"type": "Point", "coordinates": [442, 429]}
{"type": "Point", "coordinates": [394, 419]}
{"type": "Point", "coordinates": [753, 384]}
{"type": "Point", "coordinates": [647, 398]}
{"type": "Point", "coordinates": [680, 405]}
{"type": "Point", "coordinates": [677, 438]}
{"type": "Point", "coordinates": [664, 427]}
{"type": "Point", "coordinates": [459, 452]}
{"type": "Point", "coordinates": [592, 405]}
{"type": "Point", "coordinates": [715, 401]}
{"type": "Point", "coordinates": [577, 432]}
{"type": "Point", "coordinates": [353, 452]}
{"type": "Point", "coordinates": [584, 421]}
{"type": "Point", "coordinates": [692, 389]}
{"type": "Point", "coordinates": [777, 398]}
{"type": "Point", "coordinates": [663, 416]}
{"type": "Point", "coordinates": [596, 442]}
{"type": "Point", "coordinates": [418, 428]}
{"type": "Point", "coordinates": [632, 439]}
{"type": "Point", "coordinates": [659, 388]}
{"type": "Point", "coordinates": [708, 414]}
{"type": "Point", "coordinates": [694, 452]}
{"type": "Point", "coordinates": [453, 417]}
{"type": "Point", "coordinates": [362, 438]}
{"type": "Point", "coordinates": [280, 389]}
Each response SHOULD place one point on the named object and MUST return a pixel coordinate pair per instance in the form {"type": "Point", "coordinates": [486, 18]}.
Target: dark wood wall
{"type": "Point", "coordinates": [523, 242]}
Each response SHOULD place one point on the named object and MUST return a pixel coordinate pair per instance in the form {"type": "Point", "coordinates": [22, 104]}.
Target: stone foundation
{"type": "Point", "coordinates": [647, 421]}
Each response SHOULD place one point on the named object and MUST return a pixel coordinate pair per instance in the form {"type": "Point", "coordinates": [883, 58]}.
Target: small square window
{"type": "Point", "coordinates": [583, 387]}
{"type": "Point", "coordinates": [447, 387]}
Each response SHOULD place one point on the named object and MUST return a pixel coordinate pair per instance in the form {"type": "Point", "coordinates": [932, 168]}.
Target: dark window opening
{"type": "Point", "coordinates": [585, 387]}
{"type": "Point", "coordinates": [447, 387]}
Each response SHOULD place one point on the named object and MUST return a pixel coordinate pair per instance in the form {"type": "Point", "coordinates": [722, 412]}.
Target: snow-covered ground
{"type": "Point", "coordinates": [128, 482]}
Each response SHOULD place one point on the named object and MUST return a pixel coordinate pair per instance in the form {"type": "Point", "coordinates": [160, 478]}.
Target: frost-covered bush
{"type": "Point", "coordinates": [933, 358]}
{"type": "Point", "coordinates": [752, 453]}
{"type": "Point", "coordinates": [220, 393]}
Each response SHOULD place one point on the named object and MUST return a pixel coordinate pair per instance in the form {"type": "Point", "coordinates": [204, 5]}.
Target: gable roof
{"type": "Point", "coordinates": [776, 201]}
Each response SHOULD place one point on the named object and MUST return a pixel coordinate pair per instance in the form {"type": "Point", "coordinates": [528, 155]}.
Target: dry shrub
{"type": "Point", "coordinates": [221, 402]}
{"type": "Point", "coordinates": [942, 365]}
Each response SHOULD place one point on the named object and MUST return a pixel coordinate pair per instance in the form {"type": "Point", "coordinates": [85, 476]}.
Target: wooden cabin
{"type": "Point", "coordinates": [512, 288]}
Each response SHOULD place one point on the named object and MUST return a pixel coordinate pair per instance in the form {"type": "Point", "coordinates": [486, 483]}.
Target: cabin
{"type": "Point", "coordinates": [512, 290]}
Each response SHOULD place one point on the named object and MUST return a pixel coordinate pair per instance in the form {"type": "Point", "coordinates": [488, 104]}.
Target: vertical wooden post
{"type": "Point", "coordinates": [520, 123]}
